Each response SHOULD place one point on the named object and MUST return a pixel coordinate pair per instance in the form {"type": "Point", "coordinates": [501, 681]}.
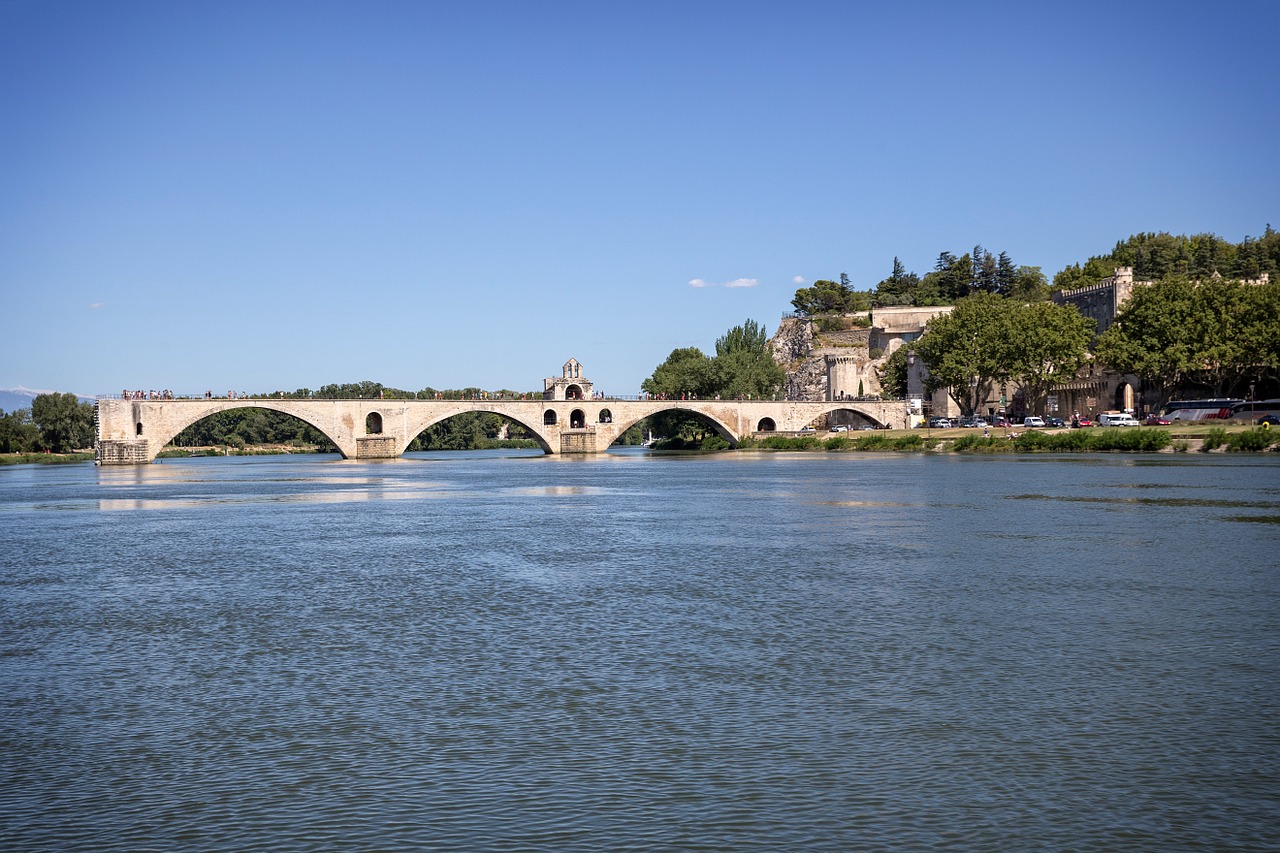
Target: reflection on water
{"type": "Point", "coordinates": [730, 652]}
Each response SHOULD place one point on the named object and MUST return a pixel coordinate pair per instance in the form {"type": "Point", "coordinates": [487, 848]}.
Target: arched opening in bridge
{"type": "Point", "coordinates": [475, 431]}
{"type": "Point", "coordinates": [373, 424]}
{"type": "Point", "coordinates": [844, 420]}
{"type": "Point", "coordinates": [682, 429]}
{"type": "Point", "coordinates": [249, 427]}
{"type": "Point", "coordinates": [549, 417]}
{"type": "Point", "coordinates": [766, 425]}
{"type": "Point", "coordinates": [138, 429]}
{"type": "Point", "coordinates": [573, 392]}
{"type": "Point", "coordinates": [577, 419]}
{"type": "Point", "coordinates": [606, 416]}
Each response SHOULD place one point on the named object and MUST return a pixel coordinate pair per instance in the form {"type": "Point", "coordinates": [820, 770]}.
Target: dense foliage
{"type": "Point", "coordinates": [988, 340]}
{"type": "Point", "coordinates": [55, 423]}
{"type": "Point", "coordinates": [1199, 257]}
{"type": "Point", "coordinates": [1216, 336]}
{"type": "Point", "coordinates": [829, 297]}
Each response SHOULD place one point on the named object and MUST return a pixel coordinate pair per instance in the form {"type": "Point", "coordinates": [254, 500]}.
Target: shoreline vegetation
{"type": "Point", "coordinates": [1178, 439]}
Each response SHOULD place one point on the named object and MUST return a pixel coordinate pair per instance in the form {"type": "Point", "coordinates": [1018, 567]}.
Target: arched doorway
{"type": "Point", "coordinates": [573, 392]}
{"type": "Point", "coordinates": [577, 419]}
{"type": "Point", "coordinates": [549, 417]}
{"type": "Point", "coordinates": [606, 416]}
{"type": "Point", "coordinates": [373, 424]}
{"type": "Point", "coordinates": [1124, 397]}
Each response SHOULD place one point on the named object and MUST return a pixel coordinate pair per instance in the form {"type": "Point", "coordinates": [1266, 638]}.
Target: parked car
{"type": "Point", "coordinates": [1081, 422]}
{"type": "Point", "coordinates": [940, 423]}
{"type": "Point", "coordinates": [1269, 420]}
{"type": "Point", "coordinates": [1117, 419]}
{"type": "Point", "coordinates": [1156, 420]}
{"type": "Point", "coordinates": [840, 428]}
{"type": "Point", "coordinates": [1055, 423]}
{"type": "Point", "coordinates": [1001, 421]}
{"type": "Point", "coordinates": [1033, 422]}
{"type": "Point", "coordinates": [981, 423]}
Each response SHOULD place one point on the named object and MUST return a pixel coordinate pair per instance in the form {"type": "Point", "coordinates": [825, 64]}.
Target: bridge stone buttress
{"type": "Point", "coordinates": [132, 432]}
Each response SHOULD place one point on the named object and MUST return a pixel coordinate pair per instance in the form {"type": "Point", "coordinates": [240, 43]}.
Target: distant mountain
{"type": "Point", "coordinates": [12, 399]}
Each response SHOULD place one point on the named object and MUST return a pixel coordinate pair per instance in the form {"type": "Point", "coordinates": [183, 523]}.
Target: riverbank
{"type": "Point", "coordinates": [45, 458]}
{"type": "Point", "coordinates": [1171, 439]}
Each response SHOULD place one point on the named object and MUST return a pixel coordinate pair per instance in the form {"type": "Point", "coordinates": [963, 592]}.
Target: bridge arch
{"type": "Point", "coordinates": [165, 430]}
{"type": "Point", "coordinates": [860, 417]}
{"type": "Point", "coordinates": [417, 426]}
{"type": "Point", "coordinates": [724, 430]}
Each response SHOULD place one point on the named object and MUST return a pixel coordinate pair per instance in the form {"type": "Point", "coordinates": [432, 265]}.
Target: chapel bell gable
{"type": "Point", "coordinates": [569, 385]}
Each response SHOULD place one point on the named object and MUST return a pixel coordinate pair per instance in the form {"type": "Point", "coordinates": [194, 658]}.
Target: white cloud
{"type": "Point", "coordinates": [94, 306]}
{"type": "Point", "coordinates": [799, 279]}
{"type": "Point", "coordinates": [737, 282]}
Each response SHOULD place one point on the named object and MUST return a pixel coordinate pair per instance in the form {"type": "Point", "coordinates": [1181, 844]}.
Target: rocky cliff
{"type": "Point", "coordinates": [804, 353]}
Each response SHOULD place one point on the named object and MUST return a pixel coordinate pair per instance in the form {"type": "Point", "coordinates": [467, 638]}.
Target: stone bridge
{"type": "Point", "coordinates": [132, 432]}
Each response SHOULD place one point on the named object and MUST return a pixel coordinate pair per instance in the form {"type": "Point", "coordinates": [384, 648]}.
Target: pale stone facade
{"type": "Point", "coordinates": [569, 385]}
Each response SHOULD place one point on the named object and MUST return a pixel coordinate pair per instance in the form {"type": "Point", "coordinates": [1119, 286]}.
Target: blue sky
{"type": "Point", "coordinates": [276, 195]}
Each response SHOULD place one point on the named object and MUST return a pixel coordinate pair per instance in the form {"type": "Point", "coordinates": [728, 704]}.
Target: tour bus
{"type": "Point", "coordinates": [1251, 410]}
{"type": "Point", "coordinates": [1196, 410]}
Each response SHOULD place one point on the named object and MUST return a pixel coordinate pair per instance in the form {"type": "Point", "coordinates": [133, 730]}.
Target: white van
{"type": "Point", "coordinates": [1117, 419]}
{"type": "Point", "coordinates": [1033, 422]}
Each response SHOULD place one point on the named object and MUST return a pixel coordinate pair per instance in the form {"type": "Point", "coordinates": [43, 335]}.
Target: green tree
{"type": "Point", "coordinates": [17, 433]}
{"type": "Point", "coordinates": [743, 365]}
{"type": "Point", "coordinates": [1029, 285]}
{"type": "Point", "coordinates": [686, 372]}
{"type": "Point", "coordinates": [1047, 344]}
{"type": "Point", "coordinates": [893, 373]}
{"type": "Point", "coordinates": [967, 350]}
{"type": "Point", "coordinates": [65, 423]}
{"type": "Point", "coordinates": [824, 297]}
{"type": "Point", "coordinates": [1151, 335]}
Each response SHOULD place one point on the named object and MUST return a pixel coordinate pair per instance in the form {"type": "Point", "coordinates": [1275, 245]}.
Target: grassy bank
{"type": "Point", "coordinates": [1117, 440]}
{"type": "Point", "coordinates": [44, 458]}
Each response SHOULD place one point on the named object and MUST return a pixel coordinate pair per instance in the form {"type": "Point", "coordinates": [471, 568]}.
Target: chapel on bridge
{"type": "Point", "coordinates": [569, 385]}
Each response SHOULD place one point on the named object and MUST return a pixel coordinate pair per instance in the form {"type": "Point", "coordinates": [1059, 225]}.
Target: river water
{"type": "Point", "coordinates": [742, 651]}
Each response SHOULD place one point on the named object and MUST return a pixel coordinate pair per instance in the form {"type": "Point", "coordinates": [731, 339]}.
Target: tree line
{"type": "Point", "coordinates": [55, 423]}
{"type": "Point", "coordinates": [952, 278]}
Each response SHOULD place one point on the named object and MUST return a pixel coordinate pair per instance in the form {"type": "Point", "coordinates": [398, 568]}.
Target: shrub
{"type": "Point", "coordinates": [979, 444]}
{"type": "Point", "coordinates": [1252, 441]}
{"type": "Point", "coordinates": [1215, 439]}
{"type": "Point", "coordinates": [715, 442]}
